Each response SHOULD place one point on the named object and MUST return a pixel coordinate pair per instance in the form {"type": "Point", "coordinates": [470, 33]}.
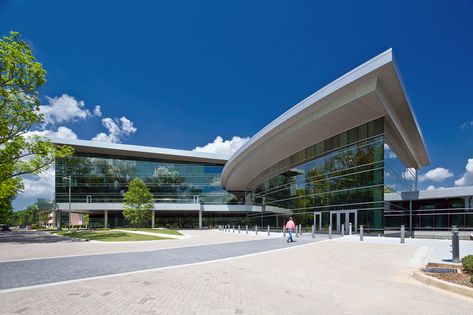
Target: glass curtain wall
{"type": "Point", "coordinates": [336, 180]}
{"type": "Point", "coordinates": [431, 214]}
{"type": "Point", "coordinates": [102, 178]}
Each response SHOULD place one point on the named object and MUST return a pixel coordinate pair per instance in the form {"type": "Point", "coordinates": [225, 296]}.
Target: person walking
{"type": "Point", "coordinates": [290, 226]}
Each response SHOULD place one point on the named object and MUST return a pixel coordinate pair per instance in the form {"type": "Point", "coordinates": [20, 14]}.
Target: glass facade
{"type": "Point", "coordinates": [339, 181]}
{"type": "Point", "coordinates": [104, 178]}
{"type": "Point", "coordinates": [430, 214]}
{"type": "Point", "coordinates": [336, 181]}
{"type": "Point", "coordinates": [397, 178]}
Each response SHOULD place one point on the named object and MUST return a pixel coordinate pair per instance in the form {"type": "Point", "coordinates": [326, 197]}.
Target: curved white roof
{"type": "Point", "coordinates": [368, 92]}
{"type": "Point", "coordinates": [128, 150]}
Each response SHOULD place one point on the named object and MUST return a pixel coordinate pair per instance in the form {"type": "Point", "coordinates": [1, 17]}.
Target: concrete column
{"type": "Point", "coordinates": [402, 234]}
{"type": "Point", "coordinates": [58, 219]}
{"type": "Point", "coordinates": [153, 218]}
{"type": "Point", "coordinates": [105, 218]}
{"type": "Point", "coordinates": [410, 218]}
{"type": "Point", "coordinates": [200, 218]}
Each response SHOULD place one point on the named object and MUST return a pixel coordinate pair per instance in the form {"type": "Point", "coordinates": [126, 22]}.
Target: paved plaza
{"type": "Point", "coordinates": [241, 274]}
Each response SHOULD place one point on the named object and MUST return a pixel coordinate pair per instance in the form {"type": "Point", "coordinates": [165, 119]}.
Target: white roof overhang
{"type": "Point", "coordinates": [368, 92]}
{"type": "Point", "coordinates": [136, 151]}
{"type": "Point", "coordinates": [440, 193]}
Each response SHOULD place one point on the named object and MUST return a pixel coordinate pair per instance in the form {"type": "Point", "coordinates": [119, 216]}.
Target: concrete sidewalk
{"type": "Point", "coordinates": [438, 251]}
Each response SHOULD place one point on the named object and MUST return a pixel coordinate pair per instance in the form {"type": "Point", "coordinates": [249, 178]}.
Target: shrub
{"type": "Point", "coordinates": [467, 262]}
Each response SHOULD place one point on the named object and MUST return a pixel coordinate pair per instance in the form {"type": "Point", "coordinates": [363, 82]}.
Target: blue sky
{"type": "Point", "coordinates": [184, 72]}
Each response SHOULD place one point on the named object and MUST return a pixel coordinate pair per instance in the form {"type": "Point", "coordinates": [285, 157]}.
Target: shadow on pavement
{"type": "Point", "coordinates": [29, 237]}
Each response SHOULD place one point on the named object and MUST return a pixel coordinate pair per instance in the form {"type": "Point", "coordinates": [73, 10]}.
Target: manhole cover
{"type": "Point", "coordinates": [440, 270]}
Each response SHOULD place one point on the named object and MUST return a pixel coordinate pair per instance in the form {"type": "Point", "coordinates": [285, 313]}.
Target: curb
{"type": "Point", "coordinates": [441, 284]}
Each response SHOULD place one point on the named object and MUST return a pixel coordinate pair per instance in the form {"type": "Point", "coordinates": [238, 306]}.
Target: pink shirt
{"type": "Point", "coordinates": [290, 225]}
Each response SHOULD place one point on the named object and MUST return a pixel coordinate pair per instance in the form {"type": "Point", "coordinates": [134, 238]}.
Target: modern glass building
{"type": "Point", "coordinates": [330, 160]}
{"type": "Point", "coordinates": [335, 181]}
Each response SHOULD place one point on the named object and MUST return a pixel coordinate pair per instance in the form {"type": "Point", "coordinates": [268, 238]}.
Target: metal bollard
{"type": "Point", "coordinates": [268, 230]}
{"type": "Point", "coordinates": [313, 231]}
{"type": "Point", "coordinates": [349, 226]}
{"type": "Point", "coordinates": [343, 230]}
{"type": "Point", "coordinates": [256, 229]}
{"type": "Point", "coordinates": [297, 231]}
{"type": "Point", "coordinates": [330, 231]}
{"type": "Point", "coordinates": [300, 229]}
{"type": "Point", "coordinates": [238, 229]}
{"type": "Point", "coordinates": [246, 229]}
{"type": "Point", "coordinates": [403, 234]}
{"type": "Point", "coordinates": [455, 245]}
{"type": "Point", "coordinates": [283, 231]}
{"type": "Point", "coordinates": [233, 229]}
{"type": "Point", "coordinates": [361, 233]}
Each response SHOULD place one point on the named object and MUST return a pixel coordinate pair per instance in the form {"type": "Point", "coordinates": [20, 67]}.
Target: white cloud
{"type": "Point", "coordinates": [467, 178]}
{"type": "Point", "coordinates": [98, 111]}
{"type": "Point", "coordinates": [219, 146]}
{"type": "Point", "coordinates": [64, 108]}
{"type": "Point", "coordinates": [39, 186]}
{"type": "Point", "coordinates": [466, 124]}
{"type": "Point", "coordinates": [61, 132]}
{"type": "Point", "coordinates": [409, 173]}
{"type": "Point", "coordinates": [438, 174]}
{"type": "Point", "coordinates": [117, 129]}
{"type": "Point", "coordinates": [388, 154]}
{"type": "Point", "coordinates": [127, 126]}
{"type": "Point", "coordinates": [432, 187]}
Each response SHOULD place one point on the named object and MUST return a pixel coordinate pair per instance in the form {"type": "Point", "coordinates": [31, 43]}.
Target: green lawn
{"type": "Point", "coordinates": [109, 236]}
{"type": "Point", "coordinates": [162, 231]}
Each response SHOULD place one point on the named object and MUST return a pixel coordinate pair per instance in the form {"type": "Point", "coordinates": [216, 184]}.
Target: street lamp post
{"type": "Point", "coordinates": [69, 182]}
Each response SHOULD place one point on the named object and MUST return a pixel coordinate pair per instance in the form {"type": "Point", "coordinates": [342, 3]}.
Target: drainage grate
{"type": "Point", "coordinates": [440, 270]}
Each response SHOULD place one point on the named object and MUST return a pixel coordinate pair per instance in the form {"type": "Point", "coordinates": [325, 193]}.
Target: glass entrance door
{"type": "Point", "coordinates": [344, 218]}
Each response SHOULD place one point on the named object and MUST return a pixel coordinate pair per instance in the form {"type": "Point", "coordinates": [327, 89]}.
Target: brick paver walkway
{"type": "Point", "coordinates": [15, 274]}
{"type": "Point", "coordinates": [329, 277]}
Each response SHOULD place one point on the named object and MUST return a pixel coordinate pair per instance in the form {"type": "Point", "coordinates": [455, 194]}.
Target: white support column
{"type": "Point", "coordinates": [58, 219]}
{"type": "Point", "coordinates": [152, 218]}
{"type": "Point", "coordinates": [105, 218]}
{"type": "Point", "coordinates": [200, 218]}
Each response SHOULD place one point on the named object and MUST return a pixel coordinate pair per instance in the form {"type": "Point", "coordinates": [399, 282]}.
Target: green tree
{"type": "Point", "coordinates": [6, 210]}
{"type": "Point", "coordinates": [137, 202]}
{"type": "Point", "coordinates": [21, 76]}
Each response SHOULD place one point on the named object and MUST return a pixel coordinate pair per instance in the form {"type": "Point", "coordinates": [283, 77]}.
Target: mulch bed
{"type": "Point", "coordinates": [461, 277]}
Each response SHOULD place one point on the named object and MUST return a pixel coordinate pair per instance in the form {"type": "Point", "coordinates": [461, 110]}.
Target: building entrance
{"type": "Point", "coordinates": [343, 218]}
